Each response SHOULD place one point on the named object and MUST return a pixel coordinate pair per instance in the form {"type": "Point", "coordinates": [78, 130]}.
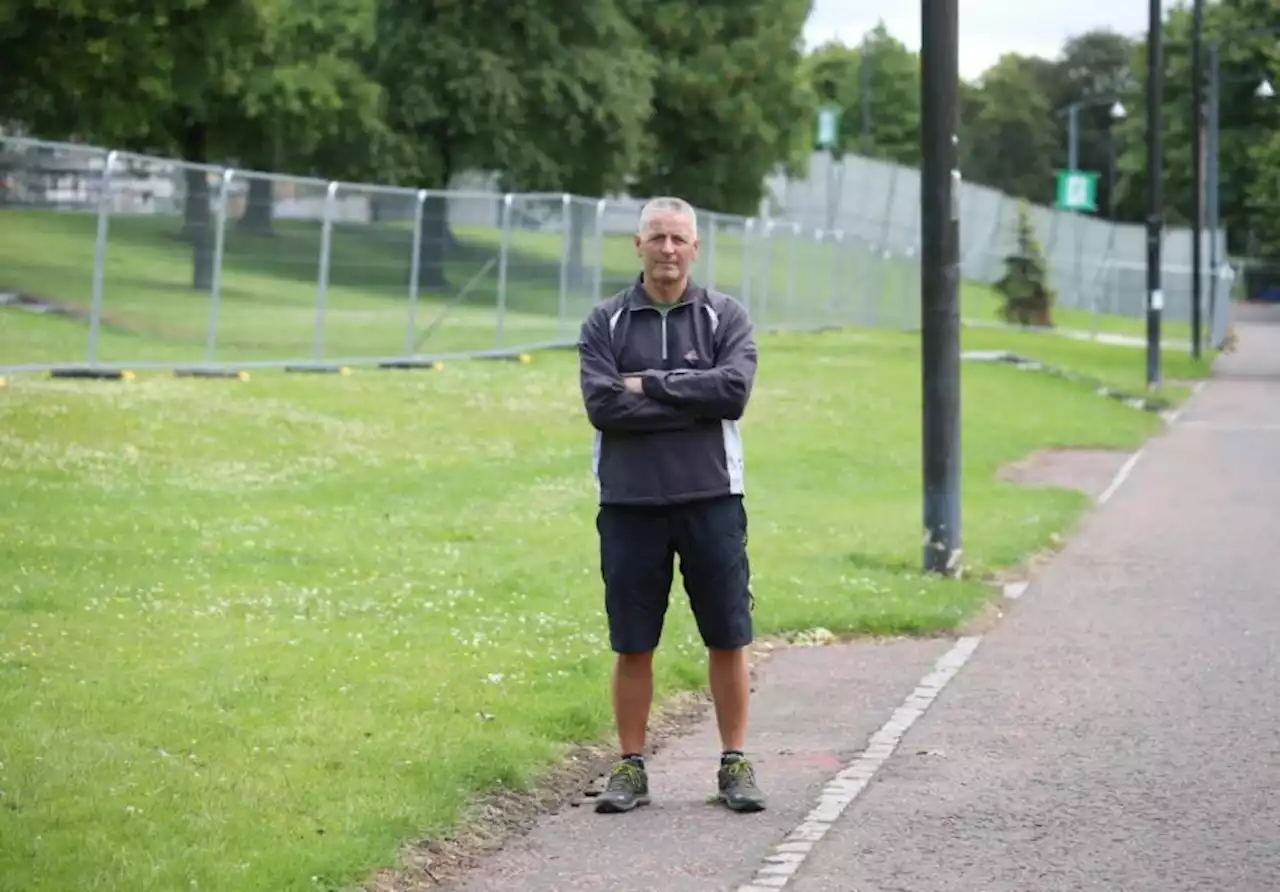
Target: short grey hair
{"type": "Point", "coordinates": [668, 205]}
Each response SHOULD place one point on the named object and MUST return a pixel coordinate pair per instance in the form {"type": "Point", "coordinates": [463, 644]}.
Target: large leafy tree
{"type": "Point", "coordinates": [891, 83]}
{"type": "Point", "coordinates": [584, 112]}
{"type": "Point", "coordinates": [728, 97]}
{"type": "Point", "coordinates": [1250, 141]}
{"type": "Point", "coordinates": [552, 94]}
{"type": "Point", "coordinates": [1014, 120]}
{"type": "Point", "coordinates": [1246, 122]}
{"type": "Point", "coordinates": [309, 104]}
{"type": "Point", "coordinates": [1006, 141]}
{"type": "Point", "coordinates": [159, 78]}
{"type": "Point", "coordinates": [200, 79]}
{"type": "Point", "coordinates": [895, 97]}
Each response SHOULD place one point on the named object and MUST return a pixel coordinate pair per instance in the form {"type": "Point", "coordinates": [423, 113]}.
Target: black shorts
{"type": "Point", "coordinates": [637, 550]}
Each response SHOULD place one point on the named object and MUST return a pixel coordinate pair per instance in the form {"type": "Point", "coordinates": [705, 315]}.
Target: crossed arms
{"type": "Point", "coordinates": [659, 400]}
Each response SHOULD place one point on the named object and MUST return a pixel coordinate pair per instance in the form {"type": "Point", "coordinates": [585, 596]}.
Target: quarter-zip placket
{"type": "Point", "coordinates": [662, 315]}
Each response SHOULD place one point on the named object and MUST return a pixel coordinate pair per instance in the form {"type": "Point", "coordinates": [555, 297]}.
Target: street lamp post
{"type": "Point", "coordinates": [1197, 167]}
{"type": "Point", "coordinates": [1155, 183]}
{"type": "Point", "coordinates": [1265, 90]}
{"type": "Point", "coordinates": [940, 284]}
{"type": "Point", "coordinates": [1072, 112]}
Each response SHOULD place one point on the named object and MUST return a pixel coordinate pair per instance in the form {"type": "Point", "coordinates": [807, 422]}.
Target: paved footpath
{"type": "Point", "coordinates": [1119, 729]}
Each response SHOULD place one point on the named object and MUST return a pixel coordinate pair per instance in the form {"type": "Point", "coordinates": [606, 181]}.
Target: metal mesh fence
{"type": "Point", "coordinates": [124, 260]}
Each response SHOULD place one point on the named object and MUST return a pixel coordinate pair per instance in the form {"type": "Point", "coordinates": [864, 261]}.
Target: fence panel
{"type": "Point", "coordinates": [268, 301]}
{"type": "Point", "coordinates": [50, 213]}
{"type": "Point", "coordinates": [542, 250]}
{"type": "Point", "coordinates": [726, 243]}
{"type": "Point", "coordinates": [367, 288]}
{"type": "Point", "coordinates": [460, 287]}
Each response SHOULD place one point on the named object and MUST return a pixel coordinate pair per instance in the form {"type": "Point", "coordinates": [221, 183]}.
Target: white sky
{"type": "Point", "coordinates": [988, 28]}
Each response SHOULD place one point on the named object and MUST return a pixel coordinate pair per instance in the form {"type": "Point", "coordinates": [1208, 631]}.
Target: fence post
{"type": "Point", "coordinates": [791, 273]}
{"type": "Point", "coordinates": [219, 248]}
{"type": "Point", "coordinates": [566, 246]}
{"type": "Point", "coordinates": [411, 335]}
{"type": "Point", "coordinates": [100, 255]}
{"type": "Point", "coordinates": [748, 229]}
{"type": "Point", "coordinates": [503, 250]}
{"type": "Point", "coordinates": [818, 244]}
{"type": "Point", "coordinates": [833, 297]}
{"type": "Point", "coordinates": [711, 251]}
{"type": "Point", "coordinates": [597, 277]}
{"type": "Point", "coordinates": [322, 282]}
{"type": "Point", "coordinates": [767, 253]}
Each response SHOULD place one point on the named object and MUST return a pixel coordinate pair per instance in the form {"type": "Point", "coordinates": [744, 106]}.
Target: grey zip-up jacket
{"type": "Point", "coordinates": [679, 440]}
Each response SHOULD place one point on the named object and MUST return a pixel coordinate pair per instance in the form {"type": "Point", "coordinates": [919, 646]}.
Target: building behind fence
{"type": "Point", "coordinates": [171, 264]}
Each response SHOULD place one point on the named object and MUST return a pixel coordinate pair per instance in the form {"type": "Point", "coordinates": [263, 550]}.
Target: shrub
{"type": "Point", "coordinates": [1028, 299]}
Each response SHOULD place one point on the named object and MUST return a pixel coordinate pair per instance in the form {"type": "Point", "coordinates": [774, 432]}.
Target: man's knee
{"type": "Point", "coordinates": [635, 663]}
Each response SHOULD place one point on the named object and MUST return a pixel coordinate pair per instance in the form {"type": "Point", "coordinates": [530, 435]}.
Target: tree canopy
{"type": "Point", "coordinates": [600, 96]}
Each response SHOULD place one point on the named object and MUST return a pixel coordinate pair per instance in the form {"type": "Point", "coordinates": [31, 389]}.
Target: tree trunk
{"type": "Point", "coordinates": [197, 221]}
{"type": "Point", "coordinates": [434, 244]}
{"type": "Point", "coordinates": [258, 217]}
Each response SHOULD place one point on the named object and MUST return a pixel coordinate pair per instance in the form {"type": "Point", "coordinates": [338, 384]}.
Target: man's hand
{"type": "Point", "coordinates": [633, 383]}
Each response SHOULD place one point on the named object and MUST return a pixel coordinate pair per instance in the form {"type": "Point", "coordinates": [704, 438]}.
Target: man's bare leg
{"type": "Point", "coordinates": [632, 699]}
{"type": "Point", "coordinates": [729, 673]}
{"type": "Point", "coordinates": [628, 785]}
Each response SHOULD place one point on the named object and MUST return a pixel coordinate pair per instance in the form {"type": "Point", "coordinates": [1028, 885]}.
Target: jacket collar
{"type": "Point", "coordinates": [638, 300]}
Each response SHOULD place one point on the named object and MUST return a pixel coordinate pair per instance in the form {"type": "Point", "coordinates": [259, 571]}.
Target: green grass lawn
{"type": "Point", "coordinates": [1122, 368]}
{"type": "Point", "coordinates": [255, 635]}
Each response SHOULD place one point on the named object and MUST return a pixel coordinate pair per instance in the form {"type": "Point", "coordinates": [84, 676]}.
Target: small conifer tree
{"type": "Point", "coordinates": [1028, 299]}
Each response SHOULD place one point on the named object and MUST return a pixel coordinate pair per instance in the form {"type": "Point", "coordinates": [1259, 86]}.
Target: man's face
{"type": "Point", "coordinates": [667, 247]}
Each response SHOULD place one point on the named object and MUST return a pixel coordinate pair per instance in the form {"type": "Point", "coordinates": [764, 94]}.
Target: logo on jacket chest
{"type": "Point", "coordinates": [691, 358]}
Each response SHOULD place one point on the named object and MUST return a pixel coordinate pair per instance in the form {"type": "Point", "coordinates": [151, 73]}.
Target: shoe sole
{"type": "Point", "coordinates": [742, 807]}
{"type": "Point", "coordinates": [608, 807]}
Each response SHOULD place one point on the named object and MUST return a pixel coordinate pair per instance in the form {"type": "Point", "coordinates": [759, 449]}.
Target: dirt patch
{"type": "Point", "coordinates": [1089, 471]}
{"type": "Point", "coordinates": [495, 820]}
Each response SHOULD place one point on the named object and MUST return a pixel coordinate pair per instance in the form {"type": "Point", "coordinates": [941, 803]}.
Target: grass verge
{"type": "Point", "coordinates": [1123, 368]}
{"type": "Point", "coordinates": [254, 635]}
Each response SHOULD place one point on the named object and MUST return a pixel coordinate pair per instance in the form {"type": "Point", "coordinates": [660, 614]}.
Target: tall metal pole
{"type": "Point", "coordinates": [1111, 172]}
{"type": "Point", "coordinates": [1215, 222]}
{"type": "Point", "coordinates": [1073, 136]}
{"type": "Point", "coordinates": [864, 95]}
{"type": "Point", "coordinates": [1197, 167]}
{"type": "Point", "coordinates": [940, 283]}
{"type": "Point", "coordinates": [1155, 196]}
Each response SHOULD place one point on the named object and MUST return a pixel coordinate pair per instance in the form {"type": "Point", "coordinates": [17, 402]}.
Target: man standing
{"type": "Point", "coordinates": [667, 367]}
